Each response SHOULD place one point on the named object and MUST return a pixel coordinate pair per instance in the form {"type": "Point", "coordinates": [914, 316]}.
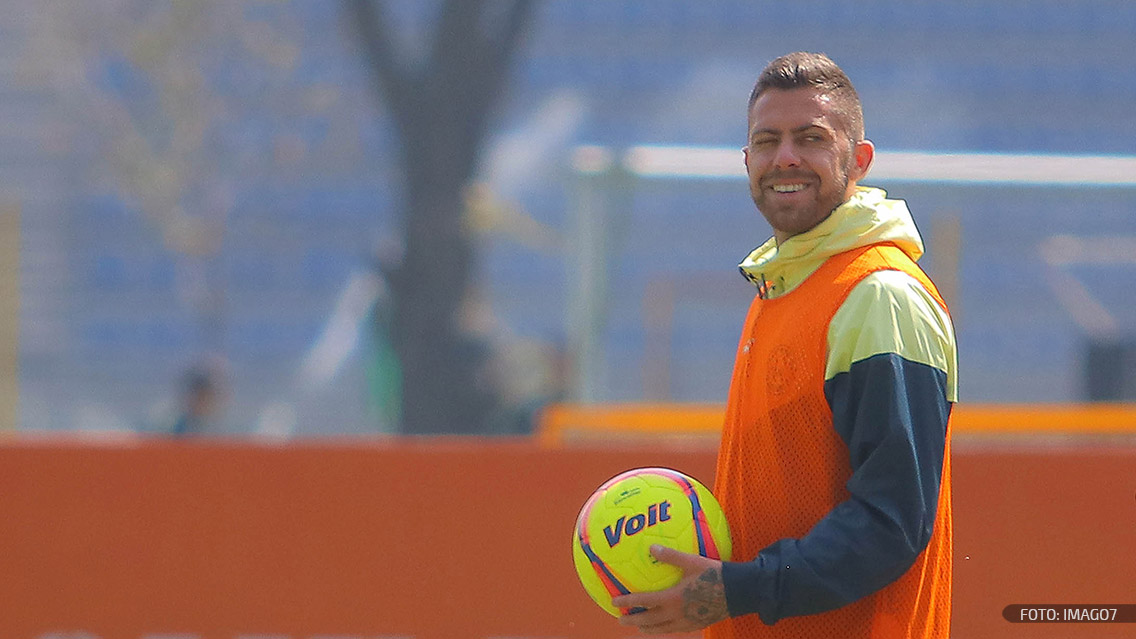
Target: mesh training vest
{"type": "Point", "coordinates": [782, 466]}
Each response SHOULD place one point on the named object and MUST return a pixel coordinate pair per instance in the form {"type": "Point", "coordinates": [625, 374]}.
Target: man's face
{"type": "Point", "coordinates": [801, 162]}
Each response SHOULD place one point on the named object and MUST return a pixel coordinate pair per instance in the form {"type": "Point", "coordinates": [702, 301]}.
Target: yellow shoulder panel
{"type": "Point", "coordinates": [891, 312]}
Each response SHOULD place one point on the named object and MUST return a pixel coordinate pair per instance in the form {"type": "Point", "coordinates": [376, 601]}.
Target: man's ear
{"type": "Point", "coordinates": [862, 154]}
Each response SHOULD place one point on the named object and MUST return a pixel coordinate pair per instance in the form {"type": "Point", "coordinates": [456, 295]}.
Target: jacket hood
{"type": "Point", "coordinates": [868, 217]}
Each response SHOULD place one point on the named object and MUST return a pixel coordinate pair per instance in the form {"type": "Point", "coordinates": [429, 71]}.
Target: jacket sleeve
{"type": "Point", "coordinates": [890, 382]}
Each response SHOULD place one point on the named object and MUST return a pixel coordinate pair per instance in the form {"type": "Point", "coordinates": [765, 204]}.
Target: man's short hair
{"type": "Point", "coordinates": [803, 70]}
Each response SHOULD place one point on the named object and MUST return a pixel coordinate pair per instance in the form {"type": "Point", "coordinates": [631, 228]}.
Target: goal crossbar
{"type": "Point", "coordinates": [708, 162]}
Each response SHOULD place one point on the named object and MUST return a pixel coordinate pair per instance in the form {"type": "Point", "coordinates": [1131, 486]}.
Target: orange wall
{"type": "Point", "coordinates": [445, 539]}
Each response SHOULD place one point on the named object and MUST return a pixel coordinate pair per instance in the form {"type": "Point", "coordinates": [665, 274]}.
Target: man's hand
{"type": "Point", "coordinates": [695, 602]}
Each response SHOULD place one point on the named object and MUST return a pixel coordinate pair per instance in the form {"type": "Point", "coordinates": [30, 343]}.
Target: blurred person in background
{"type": "Point", "coordinates": [201, 397]}
{"type": "Point", "coordinates": [834, 466]}
{"type": "Point", "coordinates": [532, 375]}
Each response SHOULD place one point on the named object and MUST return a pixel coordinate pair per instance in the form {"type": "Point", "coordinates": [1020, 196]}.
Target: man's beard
{"type": "Point", "coordinates": [801, 220]}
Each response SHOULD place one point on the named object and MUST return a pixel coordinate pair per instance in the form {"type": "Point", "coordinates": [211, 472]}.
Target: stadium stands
{"type": "Point", "coordinates": [298, 168]}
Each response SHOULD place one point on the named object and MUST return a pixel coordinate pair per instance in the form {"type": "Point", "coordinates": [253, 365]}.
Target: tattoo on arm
{"type": "Point", "coordinates": [704, 600]}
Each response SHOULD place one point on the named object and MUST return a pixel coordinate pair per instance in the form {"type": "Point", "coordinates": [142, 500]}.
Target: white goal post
{"type": "Point", "coordinates": [598, 171]}
{"type": "Point", "coordinates": [650, 161]}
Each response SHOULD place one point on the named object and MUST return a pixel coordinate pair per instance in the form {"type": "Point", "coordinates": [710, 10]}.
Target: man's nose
{"type": "Point", "coordinates": [787, 155]}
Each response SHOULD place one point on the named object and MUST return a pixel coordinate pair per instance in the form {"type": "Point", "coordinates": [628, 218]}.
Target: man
{"type": "Point", "coordinates": [834, 467]}
{"type": "Point", "coordinates": [202, 397]}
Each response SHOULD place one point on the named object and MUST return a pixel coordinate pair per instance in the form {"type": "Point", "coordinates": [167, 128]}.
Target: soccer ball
{"type": "Point", "coordinates": [633, 510]}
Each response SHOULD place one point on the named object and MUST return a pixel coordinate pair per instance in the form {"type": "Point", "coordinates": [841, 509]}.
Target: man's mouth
{"type": "Point", "coordinates": [788, 188]}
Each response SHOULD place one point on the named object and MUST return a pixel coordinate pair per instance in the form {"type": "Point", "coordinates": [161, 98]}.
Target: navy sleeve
{"type": "Point", "coordinates": [892, 414]}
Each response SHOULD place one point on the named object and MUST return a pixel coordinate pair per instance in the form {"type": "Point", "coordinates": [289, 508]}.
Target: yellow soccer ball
{"type": "Point", "coordinates": [633, 510]}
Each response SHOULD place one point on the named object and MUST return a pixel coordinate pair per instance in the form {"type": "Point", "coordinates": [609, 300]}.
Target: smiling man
{"type": "Point", "coordinates": [834, 466]}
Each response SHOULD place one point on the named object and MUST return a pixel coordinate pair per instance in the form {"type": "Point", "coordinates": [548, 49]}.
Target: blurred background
{"type": "Point", "coordinates": [417, 216]}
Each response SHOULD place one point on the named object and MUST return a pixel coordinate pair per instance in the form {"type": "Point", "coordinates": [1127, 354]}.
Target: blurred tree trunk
{"type": "Point", "coordinates": [442, 107]}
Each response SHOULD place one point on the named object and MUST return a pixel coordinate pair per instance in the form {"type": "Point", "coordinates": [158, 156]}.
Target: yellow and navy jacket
{"type": "Point", "coordinates": [834, 469]}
